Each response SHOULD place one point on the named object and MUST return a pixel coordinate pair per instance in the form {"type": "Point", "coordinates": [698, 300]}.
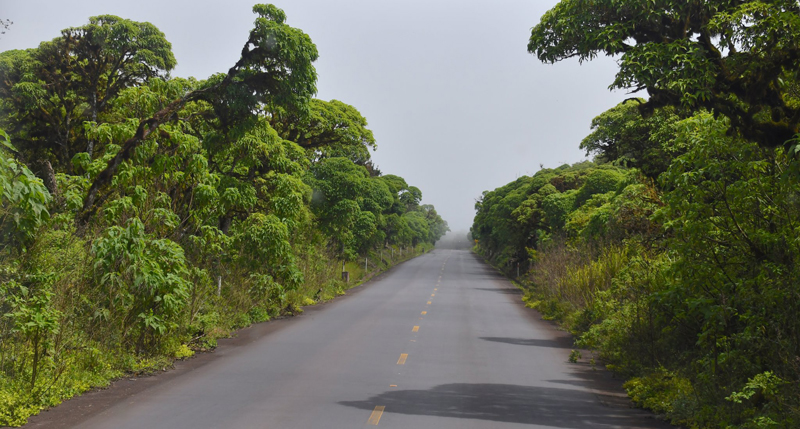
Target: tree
{"type": "Point", "coordinates": [275, 68]}
{"type": "Point", "coordinates": [49, 92]}
{"type": "Point", "coordinates": [734, 58]}
{"type": "Point", "coordinates": [39, 105]}
{"type": "Point", "coordinates": [732, 208]}
{"type": "Point", "coordinates": [330, 129]}
{"type": "Point", "coordinates": [111, 53]}
{"type": "Point", "coordinates": [418, 225]}
{"type": "Point", "coordinates": [23, 198]}
{"type": "Point", "coordinates": [348, 202]}
{"type": "Point", "coordinates": [623, 136]}
{"type": "Point", "coordinates": [410, 197]}
{"type": "Point", "coordinates": [437, 227]}
{"type": "Point", "coordinates": [397, 185]}
{"type": "Point", "coordinates": [181, 208]}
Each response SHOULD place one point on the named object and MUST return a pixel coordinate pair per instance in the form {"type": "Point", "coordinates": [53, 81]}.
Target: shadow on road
{"type": "Point", "coordinates": [560, 343]}
{"type": "Point", "coordinates": [564, 408]}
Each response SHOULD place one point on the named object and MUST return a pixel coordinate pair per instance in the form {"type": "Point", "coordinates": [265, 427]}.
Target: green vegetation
{"type": "Point", "coordinates": [736, 58]}
{"type": "Point", "coordinates": [673, 255]}
{"type": "Point", "coordinates": [143, 216]}
{"type": "Point", "coordinates": [688, 287]}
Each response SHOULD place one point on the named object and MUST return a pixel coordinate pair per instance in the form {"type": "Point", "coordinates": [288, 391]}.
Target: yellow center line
{"type": "Point", "coordinates": [375, 417]}
{"type": "Point", "coordinates": [435, 289]}
{"type": "Point", "coordinates": [424, 313]}
{"type": "Point", "coordinates": [402, 360]}
{"type": "Point", "coordinates": [433, 294]}
{"type": "Point", "coordinates": [415, 329]}
{"type": "Point", "coordinates": [429, 302]}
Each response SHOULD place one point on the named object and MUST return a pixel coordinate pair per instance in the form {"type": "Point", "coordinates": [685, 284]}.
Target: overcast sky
{"type": "Point", "coordinates": [456, 103]}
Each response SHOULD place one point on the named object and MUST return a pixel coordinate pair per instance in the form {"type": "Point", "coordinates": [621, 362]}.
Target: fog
{"type": "Point", "coordinates": [455, 240]}
{"type": "Point", "coordinates": [456, 103]}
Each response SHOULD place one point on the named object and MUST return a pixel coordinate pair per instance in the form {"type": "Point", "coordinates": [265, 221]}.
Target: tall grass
{"type": "Point", "coordinates": [566, 277]}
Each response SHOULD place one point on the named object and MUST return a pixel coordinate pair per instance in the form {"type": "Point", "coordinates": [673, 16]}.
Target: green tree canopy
{"type": "Point", "coordinates": [50, 91]}
{"type": "Point", "coordinates": [348, 202]}
{"type": "Point", "coordinates": [170, 211]}
{"type": "Point", "coordinates": [275, 68]}
{"type": "Point", "coordinates": [623, 136]}
{"type": "Point", "coordinates": [330, 129]}
{"type": "Point", "coordinates": [730, 57]}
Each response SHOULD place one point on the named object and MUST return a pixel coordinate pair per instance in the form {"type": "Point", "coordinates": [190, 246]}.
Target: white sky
{"type": "Point", "coordinates": [456, 103]}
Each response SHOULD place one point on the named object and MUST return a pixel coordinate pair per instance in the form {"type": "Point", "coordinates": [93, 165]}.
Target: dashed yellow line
{"type": "Point", "coordinates": [375, 417]}
{"type": "Point", "coordinates": [433, 294]}
{"type": "Point", "coordinates": [415, 329]}
{"type": "Point", "coordinates": [424, 313]}
{"type": "Point", "coordinates": [402, 360]}
{"type": "Point", "coordinates": [429, 302]}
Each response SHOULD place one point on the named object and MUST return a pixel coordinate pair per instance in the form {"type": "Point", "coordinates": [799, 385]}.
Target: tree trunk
{"type": "Point", "coordinates": [35, 360]}
{"type": "Point", "coordinates": [225, 224]}
{"type": "Point", "coordinates": [146, 127]}
{"type": "Point", "coordinates": [90, 146]}
{"type": "Point", "coordinates": [49, 178]}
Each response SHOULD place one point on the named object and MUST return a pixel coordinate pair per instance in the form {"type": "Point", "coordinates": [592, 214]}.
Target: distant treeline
{"type": "Point", "coordinates": [674, 254]}
{"type": "Point", "coordinates": [144, 216]}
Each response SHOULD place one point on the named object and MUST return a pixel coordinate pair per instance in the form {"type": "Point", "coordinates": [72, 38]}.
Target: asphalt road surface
{"type": "Point", "coordinates": [441, 341]}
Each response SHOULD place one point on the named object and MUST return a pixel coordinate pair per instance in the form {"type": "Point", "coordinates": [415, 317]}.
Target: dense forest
{"type": "Point", "coordinates": [144, 216]}
{"type": "Point", "coordinates": [673, 255]}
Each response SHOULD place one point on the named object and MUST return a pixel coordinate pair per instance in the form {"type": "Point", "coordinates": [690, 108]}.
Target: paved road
{"type": "Point", "coordinates": [441, 341]}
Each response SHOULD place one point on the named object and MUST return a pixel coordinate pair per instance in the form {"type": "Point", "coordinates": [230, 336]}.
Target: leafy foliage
{"type": "Point", "coordinates": [688, 285]}
{"type": "Point", "coordinates": [23, 207]}
{"type": "Point", "coordinates": [143, 216]}
{"type": "Point", "coordinates": [732, 57]}
{"type": "Point", "coordinates": [683, 276]}
{"type": "Point", "coordinates": [624, 136]}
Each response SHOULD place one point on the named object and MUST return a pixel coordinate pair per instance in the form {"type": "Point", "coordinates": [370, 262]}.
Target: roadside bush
{"type": "Point", "coordinates": [689, 289]}
{"type": "Point", "coordinates": [666, 394]}
{"type": "Point", "coordinates": [142, 285]}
